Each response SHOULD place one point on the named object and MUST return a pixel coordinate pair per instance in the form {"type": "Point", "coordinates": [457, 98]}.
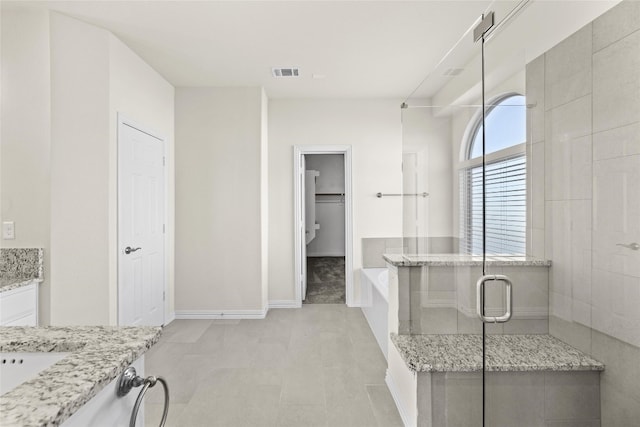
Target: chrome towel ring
{"type": "Point", "coordinates": [130, 379]}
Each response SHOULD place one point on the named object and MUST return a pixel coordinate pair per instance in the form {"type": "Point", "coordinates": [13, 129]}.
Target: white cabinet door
{"type": "Point", "coordinates": [19, 307]}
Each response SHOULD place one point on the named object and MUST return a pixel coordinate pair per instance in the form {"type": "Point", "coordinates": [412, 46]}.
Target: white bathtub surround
{"type": "Point", "coordinates": [97, 356]}
{"type": "Point", "coordinates": [375, 297]}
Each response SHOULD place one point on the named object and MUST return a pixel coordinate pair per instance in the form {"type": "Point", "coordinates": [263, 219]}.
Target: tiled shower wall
{"type": "Point", "coordinates": [584, 174]}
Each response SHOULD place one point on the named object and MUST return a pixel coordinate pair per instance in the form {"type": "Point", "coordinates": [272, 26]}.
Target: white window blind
{"type": "Point", "coordinates": [505, 207]}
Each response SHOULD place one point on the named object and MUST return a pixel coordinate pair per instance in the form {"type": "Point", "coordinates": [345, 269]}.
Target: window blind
{"type": "Point", "coordinates": [506, 207]}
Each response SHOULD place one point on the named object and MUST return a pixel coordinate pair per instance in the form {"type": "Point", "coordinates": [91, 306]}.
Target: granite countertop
{"type": "Point", "coordinates": [98, 355]}
{"type": "Point", "coordinates": [505, 353]}
{"type": "Point", "coordinates": [8, 284]}
{"type": "Point", "coordinates": [20, 267]}
{"type": "Point", "coordinates": [454, 260]}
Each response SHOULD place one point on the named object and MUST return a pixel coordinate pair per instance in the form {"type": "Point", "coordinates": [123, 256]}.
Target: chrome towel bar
{"type": "Point", "coordinates": [381, 195]}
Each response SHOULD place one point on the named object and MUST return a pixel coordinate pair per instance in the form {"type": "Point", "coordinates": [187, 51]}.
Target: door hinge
{"type": "Point", "coordinates": [162, 295]}
{"type": "Point", "coordinates": [163, 229]}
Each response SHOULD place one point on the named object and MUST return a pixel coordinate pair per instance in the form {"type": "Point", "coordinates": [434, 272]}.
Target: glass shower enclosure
{"type": "Point", "coordinates": [521, 220]}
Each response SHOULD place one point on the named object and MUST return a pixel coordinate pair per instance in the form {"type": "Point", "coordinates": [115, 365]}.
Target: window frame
{"type": "Point", "coordinates": [466, 164]}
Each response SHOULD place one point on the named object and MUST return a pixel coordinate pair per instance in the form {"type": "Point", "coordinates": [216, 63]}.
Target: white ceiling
{"type": "Point", "coordinates": [364, 49]}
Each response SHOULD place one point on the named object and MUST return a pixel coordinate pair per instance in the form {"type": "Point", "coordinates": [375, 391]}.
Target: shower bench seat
{"type": "Point", "coordinates": [534, 380]}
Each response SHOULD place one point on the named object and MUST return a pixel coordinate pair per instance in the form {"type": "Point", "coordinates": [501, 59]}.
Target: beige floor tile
{"type": "Point", "coordinates": [185, 331]}
{"type": "Point", "coordinates": [301, 367]}
{"type": "Point", "coordinates": [153, 414]}
{"type": "Point", "coordinates": [302, 416]}
{"type": "Point", "coordinates": [384, 407]}
{"type": "Point", "coordinates": [303, 386]}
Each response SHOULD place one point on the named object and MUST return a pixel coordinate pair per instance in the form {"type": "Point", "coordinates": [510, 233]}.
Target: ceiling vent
{"type": "Point", "coordinates": [453, 71]}
{"type": "Point", "coordinates": [285, 72]}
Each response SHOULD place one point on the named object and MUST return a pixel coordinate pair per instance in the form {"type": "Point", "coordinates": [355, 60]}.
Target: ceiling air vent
{"type": "Point", "coordinates": [285, 72]}
{"type": "Point", "coordinates": [453, 71]}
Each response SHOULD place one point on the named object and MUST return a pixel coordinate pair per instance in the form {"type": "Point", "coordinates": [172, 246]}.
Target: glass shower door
{"type": "Point", "coordinates": [464, 134]}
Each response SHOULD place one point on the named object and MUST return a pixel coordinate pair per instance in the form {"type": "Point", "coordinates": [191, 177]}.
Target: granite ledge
{"type": "Point", "coordinates": [456, 260]}
{"type": "Point", "coordinates": [505, 353]}
{"type": "Point", "coordinates": [98, 355]}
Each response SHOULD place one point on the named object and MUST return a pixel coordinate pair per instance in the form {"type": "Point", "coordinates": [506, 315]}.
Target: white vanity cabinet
{"type": "Point", "coordinates": [19, 307]}
{"type": "Point", "coordinates": [107, 410]}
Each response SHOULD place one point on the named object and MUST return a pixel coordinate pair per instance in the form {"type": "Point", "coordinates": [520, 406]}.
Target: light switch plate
{"type": "Point", "coordinates": [8, 230]}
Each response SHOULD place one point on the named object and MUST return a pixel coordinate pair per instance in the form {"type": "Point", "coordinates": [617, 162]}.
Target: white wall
{"type": "Point", "coordinates": [79, 173]}
{"type": "Point", "coordinates": [67, 81]}
{"type": "Point", "coordinates": [26, 134]}
{"type": "Point", "coordinates": [427, 140]}
{"type": "Point", "coordinates": [264, 196]}
{"type": "Point", "coordinates": [219, 235]}
{"type": "Point", "coordinates": [331, 168]}
{"type": "Point", "coordinates": [372, 128]}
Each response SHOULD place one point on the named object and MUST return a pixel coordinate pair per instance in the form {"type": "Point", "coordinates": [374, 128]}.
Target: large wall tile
{"type": "Point", "coordinates": [572, 395]}
{"type": "Point", "coordinates": [618, 142]}
{"type": "Point", "coordinates": [574, 334]}
{"type": "Point", "coordinates": [617, 23]}
{"type": "Point", "coordinates": [535, 99]}
{"type": "Point", "coordinates": [621, 360]}
{"type": "Point", "coordinates": [616, 84]}
{"type": "Point", "coordinates": [536, 190]}
{"type": "Point", "coordinates": [568, 69]}
{"type": "Point", "coordinates": [568, 151]}
{"type": "Point", "coordinates": [505, 388]}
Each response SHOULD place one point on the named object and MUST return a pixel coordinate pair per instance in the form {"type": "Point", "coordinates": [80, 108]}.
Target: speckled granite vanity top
{"type": "Point", "coordinates": [505, 353]}
{"type": "Point", "coordinates": [20, 267]}
{"type": "Point", "coordinates": [454, 260]}
{"type": "Point", "coordinates": [98, 355]}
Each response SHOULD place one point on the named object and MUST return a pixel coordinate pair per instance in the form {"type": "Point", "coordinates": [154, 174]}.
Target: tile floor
{"type": "Point", "coordinates": [314, 366]}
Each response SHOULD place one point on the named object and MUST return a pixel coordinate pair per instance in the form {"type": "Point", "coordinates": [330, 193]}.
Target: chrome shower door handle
{"type": "Point", "coordinates": [480, 298]}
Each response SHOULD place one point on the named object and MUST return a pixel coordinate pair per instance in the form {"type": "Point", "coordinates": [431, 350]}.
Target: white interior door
{"type": "Point", "coordinates": [303, 246]}
{"type": "Point", "coordinates": [141, 207]}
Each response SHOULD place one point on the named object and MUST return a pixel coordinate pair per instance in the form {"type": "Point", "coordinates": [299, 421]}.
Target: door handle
{"type": "Point", "coordinates": [129, 249]}
{"type": "Point", "coordinates": [480, 298]}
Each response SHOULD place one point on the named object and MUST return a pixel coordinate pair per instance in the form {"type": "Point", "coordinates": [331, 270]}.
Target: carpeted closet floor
{"type": "Point", "coordinates": [325, 280]}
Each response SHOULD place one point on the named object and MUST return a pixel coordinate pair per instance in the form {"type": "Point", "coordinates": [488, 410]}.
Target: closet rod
{"type": "Point", "coordinates": [380, 195]}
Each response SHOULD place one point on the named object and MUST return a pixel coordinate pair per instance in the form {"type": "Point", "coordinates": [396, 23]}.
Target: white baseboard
{"type": "Point", "coordinates": [222, 314]}
{"type": "Point", "coordinates": [393, 389]}
{"type": "Point", "coordinates": [170, 318]}
{"type": "Point", "coordinates": [284, 303]}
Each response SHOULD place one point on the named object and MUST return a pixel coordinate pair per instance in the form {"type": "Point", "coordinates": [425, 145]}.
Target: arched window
{"type": "Point", "coordinates": [506, 198]}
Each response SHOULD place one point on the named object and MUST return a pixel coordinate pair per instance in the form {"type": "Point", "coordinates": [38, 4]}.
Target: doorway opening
{"type": "Point", "coordinates": [324, 229]}
{"type": "Point", "coordinates": [323, 225]}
